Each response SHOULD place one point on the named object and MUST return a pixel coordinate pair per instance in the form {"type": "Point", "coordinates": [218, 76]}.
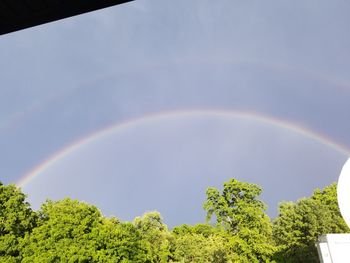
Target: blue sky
{"type": "Point", "coordinates": [62, 81]}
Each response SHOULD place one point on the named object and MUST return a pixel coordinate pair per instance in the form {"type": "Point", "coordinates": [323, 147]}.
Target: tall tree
{"type": "Point", "coordinates": [240, 212]}
{"type": "Point", "coordinates": [16, 219]}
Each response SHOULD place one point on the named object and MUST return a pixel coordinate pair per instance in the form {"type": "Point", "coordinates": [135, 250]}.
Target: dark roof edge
{"type": "Point", "coordinates": [66, 9]}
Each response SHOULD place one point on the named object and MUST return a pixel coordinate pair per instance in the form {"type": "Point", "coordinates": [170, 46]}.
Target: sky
{"type": "Point", "coordinates": [144, 105]}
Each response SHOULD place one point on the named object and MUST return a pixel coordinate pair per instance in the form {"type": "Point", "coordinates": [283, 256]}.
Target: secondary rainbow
{"type": "Point", "coordinates": [231, 114]}
{"type": "Point", "coordinates": [217, 61]}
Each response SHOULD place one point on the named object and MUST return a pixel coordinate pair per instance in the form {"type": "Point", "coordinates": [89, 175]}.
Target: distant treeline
{"type": "Point", "coordinates": [237, 230]}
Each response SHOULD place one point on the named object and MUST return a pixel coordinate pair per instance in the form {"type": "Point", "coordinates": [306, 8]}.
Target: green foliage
{"type": "Point", "coordinates": [203, 229]}
{"type": "Point", "coordinates": [72, 231]}
{"type": "Point", "coordinates": [299, 224]}
{"type": "Point", "coordinates": [206, 243]}
{"type": "Point", "coordinates": [16, 219]}
{"type": "Point", "coordinates": [239, 211]}
{"type": "Point", "coordinates": [120, 242]}
{"type": "Point", "coordinates": [201, 243]}
{"type": "Point", "coordinates": [237, 207]}
{"type": "Point", "coordinates": [156, 233]}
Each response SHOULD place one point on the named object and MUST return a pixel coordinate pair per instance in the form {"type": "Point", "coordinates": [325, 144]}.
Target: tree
{"type": "Point", "coordinates": [73, 231]}
{"type": "Point", "coordinates": [299, 224]}
{"type": "Point", "coordinates": [16, 220]}
{"type": "Point", "coordinates": [200, 243]}
{"type": "Point", "coordinates": [156, 233]}
{"type": "Point", "coordinates": [239, 211]}
{"type": "Point", "coordinates": [209, 244]}
{"type": "Point", "coordinates": [119, 242]}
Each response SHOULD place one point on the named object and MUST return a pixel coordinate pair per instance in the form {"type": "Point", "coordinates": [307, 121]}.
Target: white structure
{"type": "Point", "coordinates": [344, 193]}
{"type": "Point", "coordinates": [334, 248]}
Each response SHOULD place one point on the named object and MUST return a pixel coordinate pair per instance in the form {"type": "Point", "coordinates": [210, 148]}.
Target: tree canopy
{"type": "Point", "coordinates": [156, 233]}
{"type": "Point", "coordinates": [16, 220]}
{"type": "Point", "coordinates": [73, 231]}
{"type": "Point", "coordinates": [299, 224]}
{"type": "Point", "coordinates": [237, 229]}
{"type": "Point", "coordinates": [239, 211]}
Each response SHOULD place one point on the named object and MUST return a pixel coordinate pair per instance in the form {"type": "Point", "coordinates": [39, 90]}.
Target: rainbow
{"type": "Point", "coordinates": [300, 71]}
{"type": "Point", "coordinates": [156, 117]}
